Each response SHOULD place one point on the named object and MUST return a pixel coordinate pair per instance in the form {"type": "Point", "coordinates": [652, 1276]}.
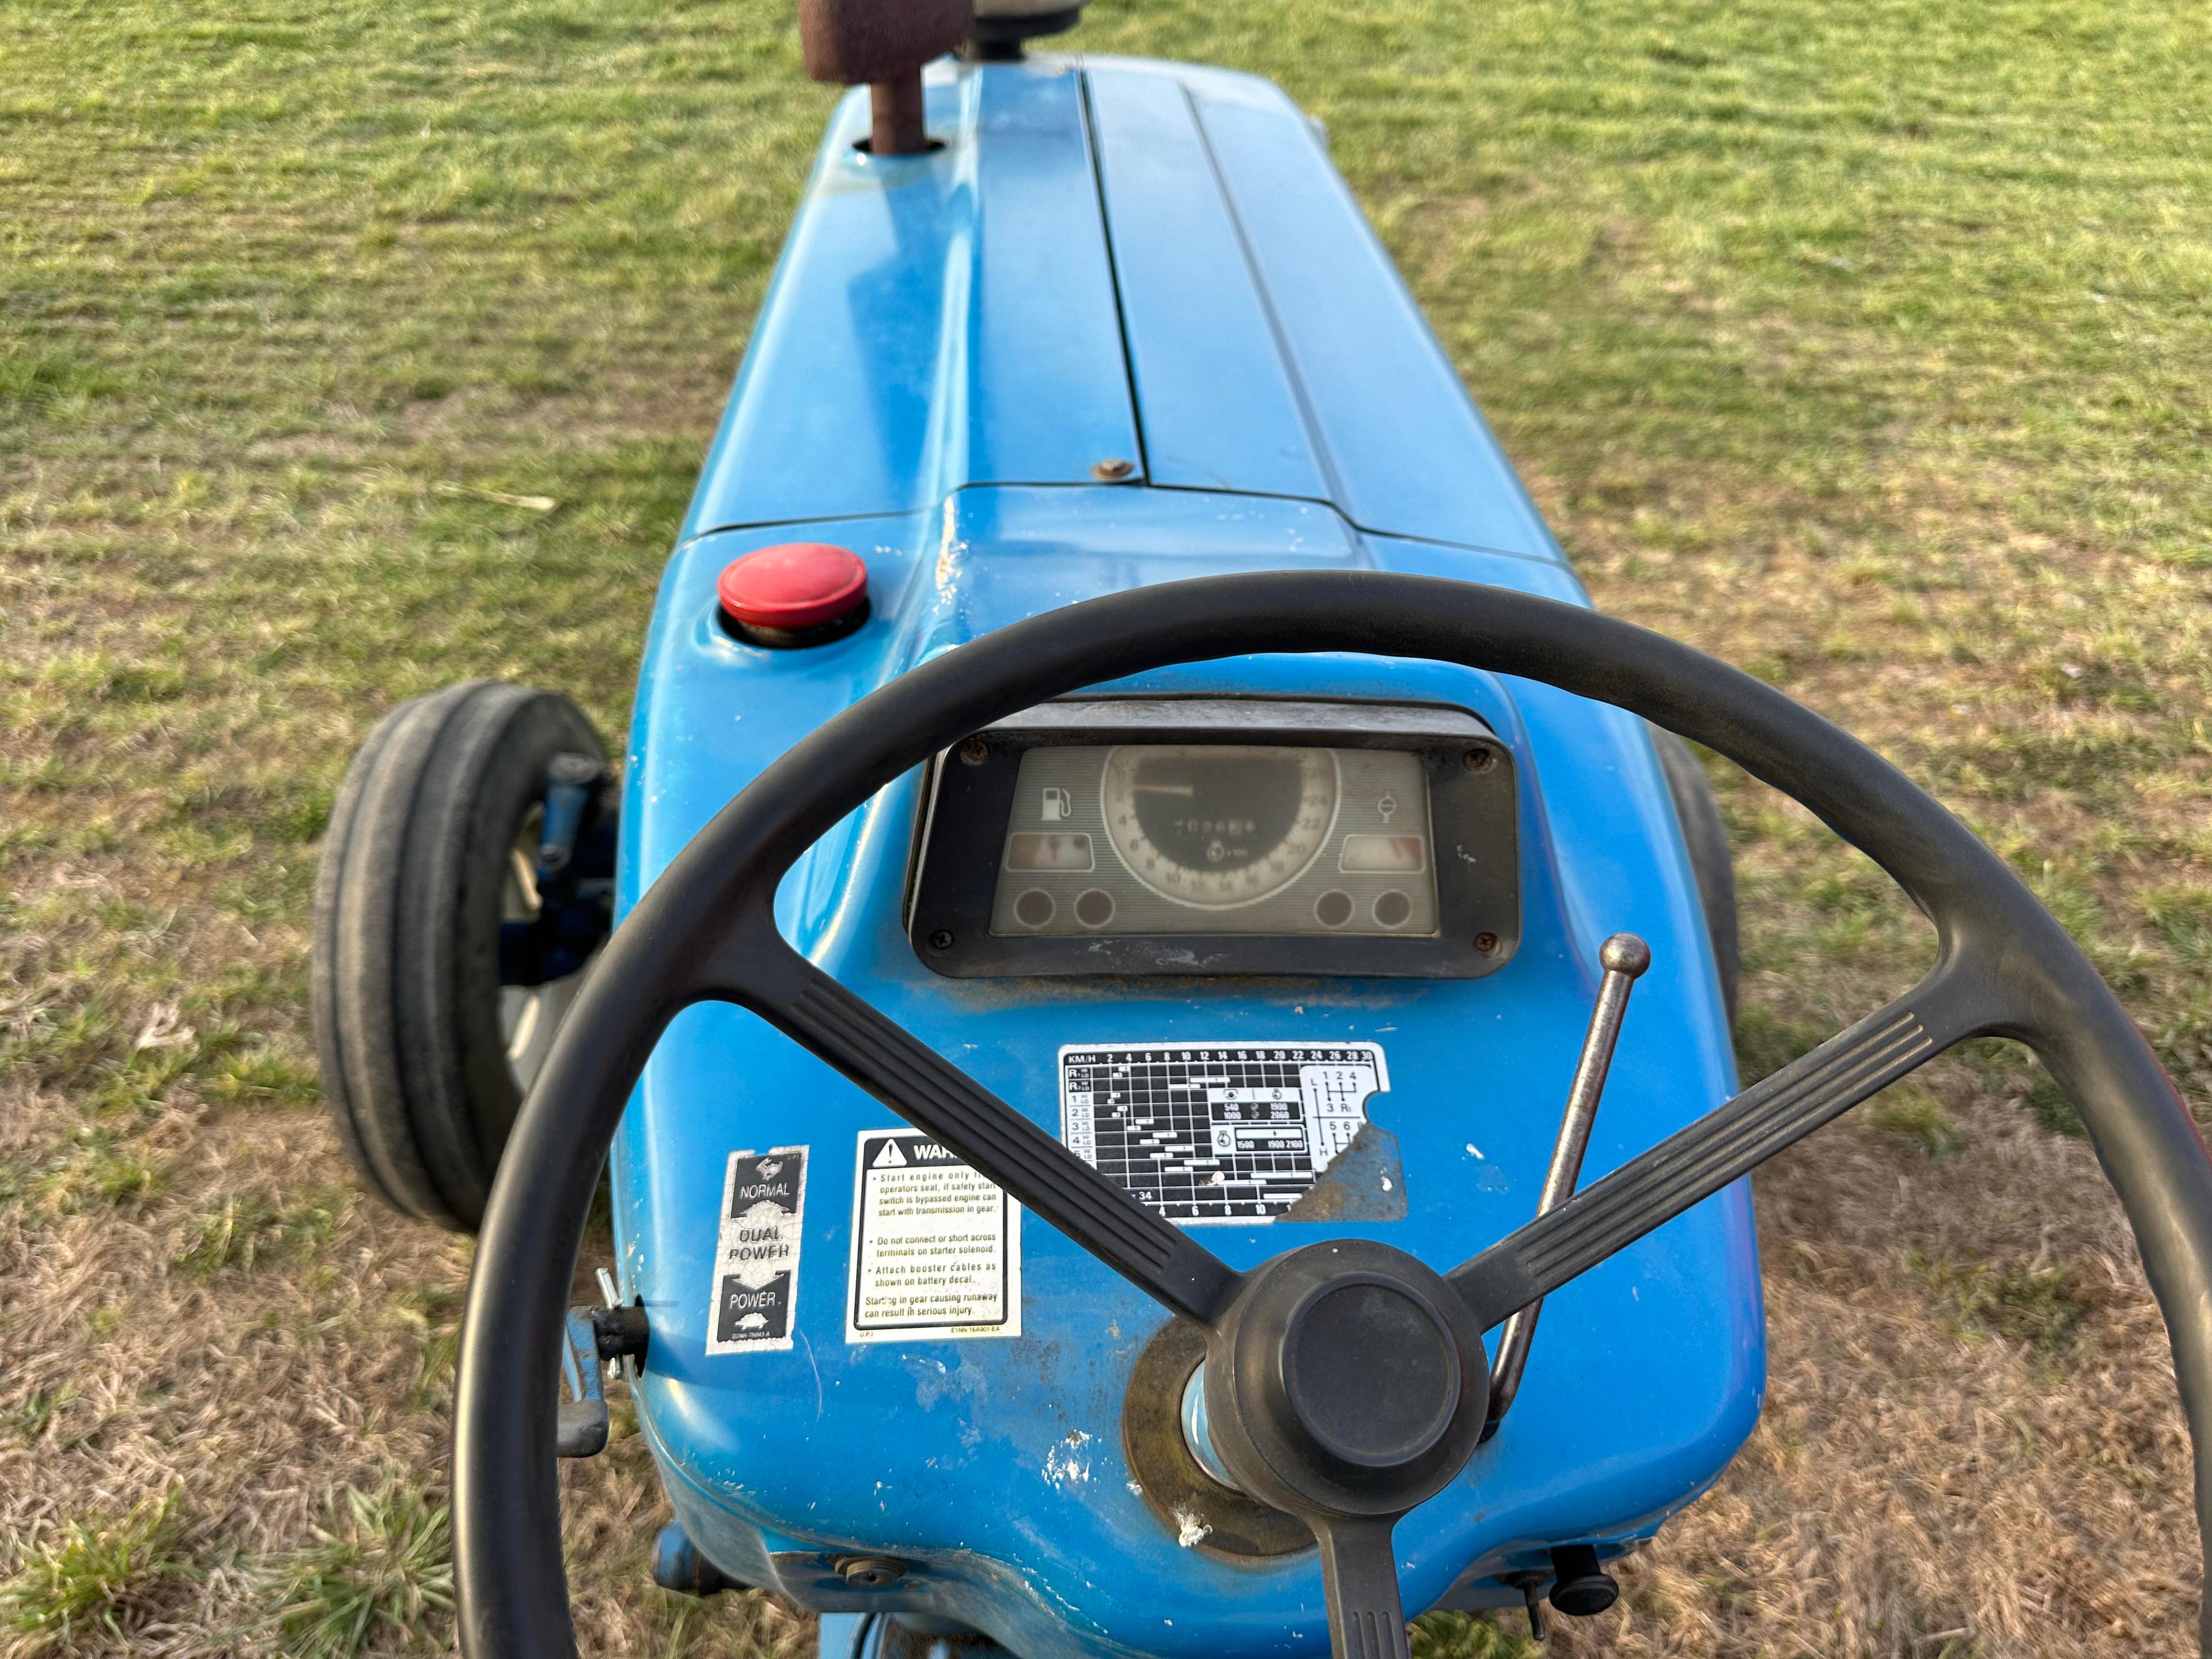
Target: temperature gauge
{"type": "Point", "coordinates": [1383, 855]}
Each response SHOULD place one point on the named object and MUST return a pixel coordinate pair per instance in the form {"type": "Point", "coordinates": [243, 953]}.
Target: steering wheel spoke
{"type": "Point", "coordinates": [1688, 1167]}
{"type": "Point", "coordinates": [1359, 1572]}
{"type": "Point", "coordinates": [935, 1096]}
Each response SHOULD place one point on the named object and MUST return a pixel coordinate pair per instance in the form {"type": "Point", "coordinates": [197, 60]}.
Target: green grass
{"type": "Point", "coordinates": [378, 1574]}
{"type": "Point", "coordinates": [1865, 344]}
{"type": "Point", "coordinates": [249, 1232]}
{"type": "Point", "coordinates": [96, 1578]}
{"type": "Point", "coordinates": [96, 1170]}
{"type": "Point", "coordinates": [1447, 1636]}
{"type": "Point", "coordinates": [431, 1314]}
{"type": "Point", "coordinates": [1914, 1113]}
{"type": "Point", "coordinates": [2042, 1309]}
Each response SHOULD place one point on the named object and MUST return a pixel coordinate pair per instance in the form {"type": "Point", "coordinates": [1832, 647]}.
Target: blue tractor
{"type": "Point", "coordinates": [1092, 984]}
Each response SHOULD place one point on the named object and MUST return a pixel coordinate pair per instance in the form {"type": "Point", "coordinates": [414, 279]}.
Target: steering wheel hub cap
{"type": "Point", "coordinates": [1347, 1376]}
{"type": "Point", "coordinates": [1370, 1374]}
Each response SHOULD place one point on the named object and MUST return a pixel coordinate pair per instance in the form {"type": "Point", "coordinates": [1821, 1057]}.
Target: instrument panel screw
{"type": "Point", "coordinates": [974, 751]}
{"type": "Point", "coordinates": [869, 1571]}
{"type": "Point", "coordinates": [1486, 942]}
{"type": "Point", "coordinates": [1113, 469]}
{"type": "Point", "coordinates": [941, 940]}
{"type": "Point", "coordinates": [1481, 760]}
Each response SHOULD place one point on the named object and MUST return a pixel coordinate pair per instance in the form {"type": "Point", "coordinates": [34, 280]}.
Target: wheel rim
{"type": "Point", "coordinates": [529, 1015]}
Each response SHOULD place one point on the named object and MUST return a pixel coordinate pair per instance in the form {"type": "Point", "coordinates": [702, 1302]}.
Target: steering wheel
{"type": "Point", "coordinates": [1345, 1381]}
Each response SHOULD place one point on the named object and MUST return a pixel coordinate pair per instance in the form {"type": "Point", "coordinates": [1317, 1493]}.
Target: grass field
{"type": "Point", "coordinates": [1864, 344]}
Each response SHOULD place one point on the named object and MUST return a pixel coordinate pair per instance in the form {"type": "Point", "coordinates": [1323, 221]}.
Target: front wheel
{"type": "Point", "coordinates": [1704, 834]}
{"type": "Point", "coordinates": [461, 892]}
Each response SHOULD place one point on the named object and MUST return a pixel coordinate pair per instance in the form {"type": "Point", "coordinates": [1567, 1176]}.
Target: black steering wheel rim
{"type": "Point", "coordinates": [704, 930]}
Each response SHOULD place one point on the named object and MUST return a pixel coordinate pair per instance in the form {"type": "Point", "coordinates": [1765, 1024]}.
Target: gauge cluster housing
{"type": "Point", "coordinates": [971, 816]}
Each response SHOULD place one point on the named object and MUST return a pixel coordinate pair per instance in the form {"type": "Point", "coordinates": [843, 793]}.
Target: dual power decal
{"type": "Point", "coordinates": [757, 1255]}
{"type": "Point", "coordinates": [937, 1249]}
{"type": "Point", "coordinates": [1240, 1133]}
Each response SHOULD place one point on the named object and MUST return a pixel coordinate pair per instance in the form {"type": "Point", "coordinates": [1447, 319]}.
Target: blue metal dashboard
{"type": "Point", "coordinates": [1111, 261]}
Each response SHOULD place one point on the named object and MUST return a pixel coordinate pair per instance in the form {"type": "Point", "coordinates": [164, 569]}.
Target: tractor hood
{"type": "Point", "coordinates": [1107, 262]}
{"type": "Point", "coordinates": [1155, 266]}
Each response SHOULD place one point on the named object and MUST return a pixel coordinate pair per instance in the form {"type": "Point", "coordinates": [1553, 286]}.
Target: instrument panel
{"type": "Point", "coordinates": [1150, 836]}
{"type": "Point", "coordinates": [1213, 838]}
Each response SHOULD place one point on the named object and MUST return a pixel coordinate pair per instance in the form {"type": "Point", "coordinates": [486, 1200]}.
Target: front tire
{"type": "Point", "coordinates": [1705, 833]}
{"type": "Point", "coordinates": [425, 1054]}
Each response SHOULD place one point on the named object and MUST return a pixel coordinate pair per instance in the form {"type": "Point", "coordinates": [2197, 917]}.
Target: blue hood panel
{"type": "Point", "coordinates": [1106, 260]}
{"type": "Point", "coordinates": [996, 1464]}
{"type": "Point", "coordinates": [1156, 263]}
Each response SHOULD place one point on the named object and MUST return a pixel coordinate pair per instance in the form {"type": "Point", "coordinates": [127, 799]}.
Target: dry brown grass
{"type": "Point", "coordinates": [1928, 1480]}
{"type": "Point", "coordinates": [1971, 1445]}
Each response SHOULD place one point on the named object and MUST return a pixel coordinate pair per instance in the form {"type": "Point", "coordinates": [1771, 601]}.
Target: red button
{"type": "Point", "coordinates": [793, 584]}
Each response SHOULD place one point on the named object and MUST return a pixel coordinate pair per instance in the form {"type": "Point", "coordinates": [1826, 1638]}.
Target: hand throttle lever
{"type": "Point", "coordinates": [1624, 958]}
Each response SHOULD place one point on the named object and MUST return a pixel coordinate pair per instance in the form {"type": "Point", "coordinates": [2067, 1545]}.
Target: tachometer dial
{"type": "Point", "coordinates": [1218, 826]}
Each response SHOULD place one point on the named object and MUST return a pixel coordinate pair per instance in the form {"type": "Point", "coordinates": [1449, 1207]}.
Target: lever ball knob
{"type": "Point", "coordinates": [1624, 953]}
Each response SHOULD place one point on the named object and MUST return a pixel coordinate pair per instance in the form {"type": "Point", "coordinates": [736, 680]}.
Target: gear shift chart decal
{"type": "Point", "coordinates": [1220, 1134]}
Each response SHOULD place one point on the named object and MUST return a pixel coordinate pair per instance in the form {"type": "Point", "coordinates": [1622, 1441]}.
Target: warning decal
{"type": "Point", "coordinates": [937, 1249]}
{"type": "Point", "coordinates": [1222, 1133]}
{"type": "Point", "coordinates": [756, 1255]}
